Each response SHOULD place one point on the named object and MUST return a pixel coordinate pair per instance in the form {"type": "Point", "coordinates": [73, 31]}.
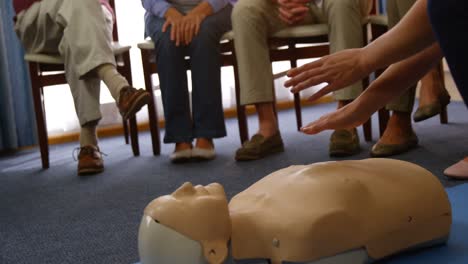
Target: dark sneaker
{"type": "Point", "coordinates": [90, 160]}
{"type": "Point", "coordinates": [386, 150]}
{"type": "Point", "coordinates": [259, 147]}
{"type": "Point", "coordinates": [344, 143]}
{"type": "Point", "coordinates": [131, 101]}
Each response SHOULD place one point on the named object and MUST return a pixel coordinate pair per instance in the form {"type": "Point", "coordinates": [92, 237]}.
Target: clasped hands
{"type": "Point", "coordinates": [292, 11]}
{"type": "Point", "coordinates": [183, 27]}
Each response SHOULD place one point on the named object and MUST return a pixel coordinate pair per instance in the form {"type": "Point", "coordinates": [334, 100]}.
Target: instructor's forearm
{"type": "Point", "coordinates": [411, 35]}
{"type": "Point", "coordinates": [398, 78]}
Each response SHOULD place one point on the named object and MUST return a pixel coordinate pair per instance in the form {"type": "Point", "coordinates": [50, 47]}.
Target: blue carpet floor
{"type": "Point", "coordinates": [53, 216]}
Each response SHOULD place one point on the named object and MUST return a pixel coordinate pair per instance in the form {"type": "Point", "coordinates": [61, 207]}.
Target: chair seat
{"type": "Point", "coordinates": [302, 31]}
{"type": "Point", "coordinates": [148, 44]}
{"type": "Point", "coordinates": [381, 20]}
{"type": "Point", "coordinates": [117, 48]}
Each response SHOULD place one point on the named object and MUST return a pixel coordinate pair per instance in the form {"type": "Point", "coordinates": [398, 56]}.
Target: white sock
{"type": "Point", "coordinates": [113, 79]}
{"type": "Point", "coordinates": [88, 135]}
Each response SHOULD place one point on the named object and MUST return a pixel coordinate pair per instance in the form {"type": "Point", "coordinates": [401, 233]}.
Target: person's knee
{"type": "Point", "coordinates": [342, 7]}
{"type": "Point", "coordinates": [245, 12]}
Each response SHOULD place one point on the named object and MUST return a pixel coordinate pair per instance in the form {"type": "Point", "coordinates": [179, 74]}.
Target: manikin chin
{"type": "Point", "coordinates": [331, 212]}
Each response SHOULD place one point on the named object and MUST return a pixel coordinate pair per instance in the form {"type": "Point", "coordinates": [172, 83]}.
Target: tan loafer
{"type": "Point", "coordinates": [344, 143]}
{"type": "Point", "coordinates": [430, 110]}
{"type": "Point", "coordinates": [387, 150]}
{"type": "Point", "coordinates": [259, 147]}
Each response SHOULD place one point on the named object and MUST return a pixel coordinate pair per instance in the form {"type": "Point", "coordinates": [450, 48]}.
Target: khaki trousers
{"type": "Point", "coordinates": [81, 32]}
{"type": "Point", "coordinates": [254, 20]}
{"type": "Point", "coordinates": [396, 10]}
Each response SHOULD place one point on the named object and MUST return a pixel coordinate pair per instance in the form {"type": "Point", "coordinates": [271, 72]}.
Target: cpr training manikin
{"type": "Point", "coordinates": [331, 212]}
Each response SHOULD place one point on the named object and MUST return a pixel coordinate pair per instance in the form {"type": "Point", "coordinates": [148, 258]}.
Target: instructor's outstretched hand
{"type": "Point", "coordinates": [347, 117]}
{"type": "Point", "coordinates": [338, 70]}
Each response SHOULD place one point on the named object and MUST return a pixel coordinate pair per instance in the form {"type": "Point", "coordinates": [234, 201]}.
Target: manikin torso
{"type": "Point", "coordinates": [302, 213]}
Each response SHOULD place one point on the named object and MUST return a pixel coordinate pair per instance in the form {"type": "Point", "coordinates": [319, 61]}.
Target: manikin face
{"type": "Point", "coordinates": [198, 213]}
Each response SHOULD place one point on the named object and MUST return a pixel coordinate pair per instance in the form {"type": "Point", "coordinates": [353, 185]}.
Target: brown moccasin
{"type": "Point", "coordinates": [131, 101]}
{"type": "Point", "coordinates": [90, 160]}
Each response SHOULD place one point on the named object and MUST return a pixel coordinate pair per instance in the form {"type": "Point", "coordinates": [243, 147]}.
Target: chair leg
{"type": "Point", "coordinates": [127, 72]}
{"type": "Point", "coordinates": [297, 96]}
{"type": "Point", "coordinates": [134, 136]}
{"type": "Point", "coordinates": [152, 110]}
{"type": "Point", "coordinates": [384, 116]}
{"type": "Point", "coordinates": [241, 115]}
{"type": "Point", "coordinates": [368, 125]}
{"type": "Point", "coordinates": [40, 114]}
{"type": "Point", "coordinates": [125, 129]}
{"type": "Point", "coordinates": [444, 115]}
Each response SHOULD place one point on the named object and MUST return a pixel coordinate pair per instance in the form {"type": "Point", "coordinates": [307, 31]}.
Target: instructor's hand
{"type": "Point", "coordinates": [347, 117]}
{"type": "Point", "coordinates": [338, 70]}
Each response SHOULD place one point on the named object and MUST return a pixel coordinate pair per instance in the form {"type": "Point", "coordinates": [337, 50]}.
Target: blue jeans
{"type": "Point", "coordinates": [207, 117]}
{"type": "Point", "coordinates": [450, 24]}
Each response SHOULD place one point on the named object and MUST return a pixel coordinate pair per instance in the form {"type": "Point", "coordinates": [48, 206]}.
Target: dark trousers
{"type": "Point", "coordinates": [205, 119]}
{"type": "Point", "coordinates": [450, 24]}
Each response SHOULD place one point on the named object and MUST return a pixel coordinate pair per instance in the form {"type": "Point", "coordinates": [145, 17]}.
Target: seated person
{"type": "Point", "coordinates": [429, 32]}
{"type": "Point", "coordinates": [361, 210]}
{"type": "Point", "coordinates": [81, 32]}
{"type": "Point", "coordinates": [181, 28]}
{"type": "Point", "coordinates": [253, 21]}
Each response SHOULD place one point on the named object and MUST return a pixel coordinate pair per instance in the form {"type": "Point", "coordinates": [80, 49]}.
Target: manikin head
{"type": "Point", "coordinates": [191, 225]}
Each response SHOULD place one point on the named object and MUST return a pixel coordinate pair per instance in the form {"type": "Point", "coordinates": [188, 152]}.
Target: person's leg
{"type": "Point", "coordinates": [172, 75]}
{"type": "Point", "coordinates": [433, 96]}
{"type": "Point", "coordinates": [253, 21]}
{"type": "Point", "coordinates": [399, 135]}
{"type": "Point", "coordinates": [344, 18]}
{"type": "Point", "coordinates": [207, 108]}
{"type": "Point", "coordinates": [448, 21]}
{"type": "Point", "coordinates": [41, 33]}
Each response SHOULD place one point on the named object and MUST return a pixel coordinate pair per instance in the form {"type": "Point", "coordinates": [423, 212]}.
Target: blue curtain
{"type": "Point", "coordinates": [17, 122]}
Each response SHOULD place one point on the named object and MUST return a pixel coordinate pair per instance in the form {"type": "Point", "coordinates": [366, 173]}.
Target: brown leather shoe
{"type": "Point", "coordinates": [90, 160]}
{"type": "Point", "coordinates": [131, 101]}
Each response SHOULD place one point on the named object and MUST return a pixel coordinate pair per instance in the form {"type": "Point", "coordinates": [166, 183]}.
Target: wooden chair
{"type": "Point", "coordinates": [46, 70]}
{"type": "Point", "coordinates": [378, 27]}
{"type": "Point", "coordinates": [150, 68]}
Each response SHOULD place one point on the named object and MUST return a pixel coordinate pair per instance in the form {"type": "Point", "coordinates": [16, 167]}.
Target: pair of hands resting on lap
{"type": "Point", "coordinates": [185, 27]}
{"type": "Point", "coordinates": [292, 11]}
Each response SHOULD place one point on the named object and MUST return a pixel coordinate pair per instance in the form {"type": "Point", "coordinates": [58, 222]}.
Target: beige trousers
{"type": "Point", "coordinates": [254, 20]}
{"type": "Point", "coordinates": [396, 10]}
{"type": "Point", "coordinates": [81, 32]}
